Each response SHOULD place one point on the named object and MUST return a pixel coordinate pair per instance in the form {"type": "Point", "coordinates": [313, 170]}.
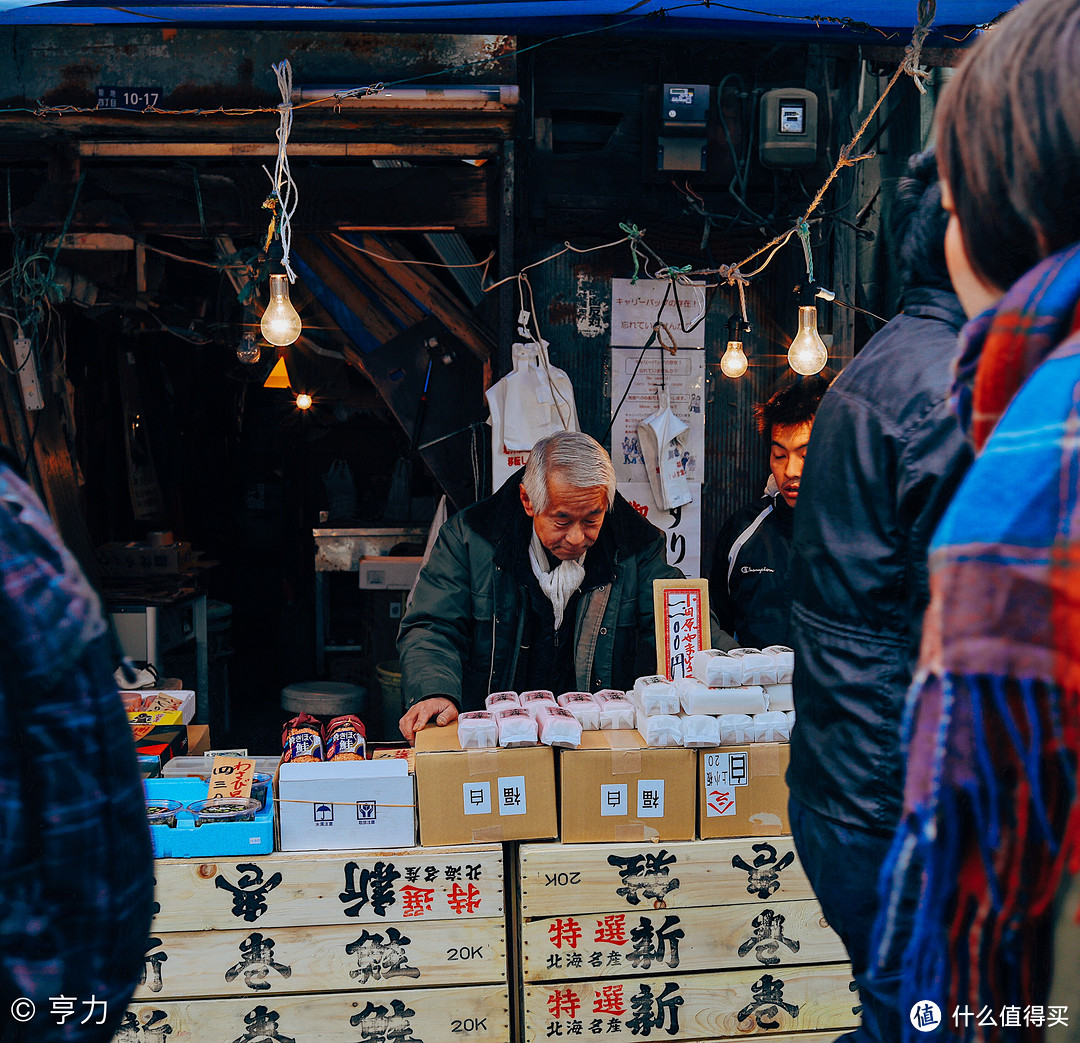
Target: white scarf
{"type": "Point", "coordinates": [557, 583]}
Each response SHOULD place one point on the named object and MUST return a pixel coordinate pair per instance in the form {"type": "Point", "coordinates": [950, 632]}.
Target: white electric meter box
{"type": "Point", "coordinates": [788, 128]}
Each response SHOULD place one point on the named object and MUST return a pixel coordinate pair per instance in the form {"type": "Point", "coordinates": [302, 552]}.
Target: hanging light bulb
{"type": "Point", "coordinates": [280, 322]}
{"type": "Point", "coordinates": [303, 400]}
{"type": "Point", "coordinates": [733, 363]}
{"type": "Point", "coordinates": [247, 350]}
{"type": "Point", "coordinates": [807, 354]}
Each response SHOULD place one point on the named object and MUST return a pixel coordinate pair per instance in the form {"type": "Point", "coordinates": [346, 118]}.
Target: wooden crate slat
{"type": "Point", "coordinates": [479, 1014]}
{"type": "Point", "coordinates": [285, 960]}
{"type": "Point", "coordinates": [693, 1006]}
{"type": "Point", "coordinates": [650, 941]}
{"type": "Point", "coordinates": [323, 888]}
{"type": "Point", "coordinates": [590, 878]}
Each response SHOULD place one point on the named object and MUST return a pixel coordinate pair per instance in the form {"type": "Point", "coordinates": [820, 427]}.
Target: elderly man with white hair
{"type": "Point", "coordinates": [548, 583]}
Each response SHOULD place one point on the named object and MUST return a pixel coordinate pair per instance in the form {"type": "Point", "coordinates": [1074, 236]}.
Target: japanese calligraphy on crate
{"type": "Point", "coordinates": [576, 946]}
{"type": "Point", "coordinates": [475, 1015]}
{"type": "Point", "coordinates": [326, 888]}
{"type": "Point", "coordinates": [557, 879]}
{"type": "Point", "coordinates": [360, 957]}
{"type": "Point", "coordinates": [681, 616]}
{"type": "Point", "coordinates": [692, 1006]}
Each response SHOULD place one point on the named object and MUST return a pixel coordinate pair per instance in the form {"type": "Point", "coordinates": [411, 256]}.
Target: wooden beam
{"type": "Point", "coordinates": [297, 149]}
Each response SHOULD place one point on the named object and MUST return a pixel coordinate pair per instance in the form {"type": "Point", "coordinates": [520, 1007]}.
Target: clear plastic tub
{"type": "Point", "coordinates": [160, 811]}
{"type": "Point", "coordinates": [206, 812]}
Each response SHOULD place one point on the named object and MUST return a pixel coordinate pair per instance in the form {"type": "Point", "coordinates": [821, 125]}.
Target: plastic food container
{"type": "Point", "coordinates": [260, 787]}
{"type": "Point", "coordinates": [207, 811]}
{"type": "Point", "coordinates": [161, 811]}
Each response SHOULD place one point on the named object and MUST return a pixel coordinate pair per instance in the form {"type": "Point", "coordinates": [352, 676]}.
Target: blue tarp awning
{"type": "Point", "coordinates": [883, 21]}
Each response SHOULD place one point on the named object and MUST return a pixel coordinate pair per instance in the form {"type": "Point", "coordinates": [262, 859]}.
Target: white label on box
{"type": "Point", "coordinates": [613, 799]}
{"type": "Point", "coordinates": [720, 801]}
{"type": "Point", "coordinates": [650, 798]}
{"type": "Point", "coordinates": [367, 811]}
{"type": "Point", "coordinates": [477, 798]}
{"type": "Point", "coordinates": [512, 795]}
{"type": "Point", "coordinates": [323, 814]}
{"type": "Point", "coordinates": [726, 769]}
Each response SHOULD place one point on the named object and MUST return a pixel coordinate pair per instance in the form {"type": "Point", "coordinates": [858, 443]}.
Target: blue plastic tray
{"type": "Point", "coordinates": [214, 839]}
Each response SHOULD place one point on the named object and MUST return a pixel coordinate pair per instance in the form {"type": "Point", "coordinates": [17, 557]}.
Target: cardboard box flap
{"type": "Point", "coordinates": [329, 771]}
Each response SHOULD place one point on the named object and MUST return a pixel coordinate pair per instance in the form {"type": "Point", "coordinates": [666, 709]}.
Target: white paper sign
{"type": "Point", "coordinates": [512, 795]}
{"type": "Point", "coordinates": [650, 798]}
{"type": "Point", "coordinates": [613, 800]}
{"type": "Point", "coordinates": [681, 527]}
{"type": "Point", "coordinates": [635, 307]}
{"type": "Point", "coordinates": [476, 798]}
{"type": "Point", "coordinates": [723, 774]}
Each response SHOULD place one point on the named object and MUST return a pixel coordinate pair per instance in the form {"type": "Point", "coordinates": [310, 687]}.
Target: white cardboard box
{"type": "Point", "coordinates": [350, 804]}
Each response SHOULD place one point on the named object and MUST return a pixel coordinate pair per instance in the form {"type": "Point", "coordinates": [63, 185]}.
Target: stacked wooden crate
{"type": "Point", "coordinates": [327, 947]}
{"type": "Point", "coordinates": [702, 940]}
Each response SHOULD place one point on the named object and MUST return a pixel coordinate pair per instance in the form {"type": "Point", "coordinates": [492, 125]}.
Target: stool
{"type": "Point", "coordinates": [324, 698]}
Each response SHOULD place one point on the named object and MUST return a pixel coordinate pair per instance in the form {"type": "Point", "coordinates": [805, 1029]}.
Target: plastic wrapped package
{"type": "Point", "coordinates": [501, 700]}
{"type": "Point", "coordinates": [656, 694]}
{"type": "Point", "coordinates": [697, 698]}
{"type": "Point", "coordinates": [616, 711]}
{"type": "Point", "coordinates": [736, 729]}
{"type": "Point", "coordinates": [791, 718]}
{"type": "Point", "coordinates": [584, 707]}
{"type": "Point", "coordinates": [700, 730]}
{"type": "Point", "coordinates": [772, 726]}
{"type": "Point", "coordinates": [517, 727]}
{"type": "Point", "coordinates": [661, 729]}
{"type": "Point", "coordinates": [535, 701]}
{"type": "Point", "coordinates": [785, 662]}
{"type": "Point", "coordinates": [715, 668]}
{"type": "Point", "coordinates": [758, 667]}
{"type": "Point", "coordinates": [558, 727]}
{"type": "Point", "coordinates": [477, 730]}
{"type": "Point", "coordinates": [780, 697]}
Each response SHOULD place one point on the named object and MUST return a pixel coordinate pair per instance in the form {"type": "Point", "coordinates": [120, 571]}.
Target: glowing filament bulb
{"type": "Point", "coordinates": [733, 363]}
{"type": "Point", "coordinates": [280, 322]}
{"type": "Point", "coordinates": [807, 354]}
{"type": "Point", "coordinates": [303, 400]}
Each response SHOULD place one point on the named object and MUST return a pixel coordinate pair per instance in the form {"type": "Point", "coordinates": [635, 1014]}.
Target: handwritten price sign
{"type": "Point", "coordinates": [231, 778]}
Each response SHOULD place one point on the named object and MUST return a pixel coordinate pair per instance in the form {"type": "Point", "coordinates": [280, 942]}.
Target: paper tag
{"type": "Point", "coordinates": [512, 795]}
{"type": "Point", "coordinates": [613, 799]}
{"type": "Point", "coordinates": [726, 769]}
{"type": "Point", "coordinates": [720, 801]}
{"type": "Point", "coordinates": [231, 778]}
{"type": "Point", "coordinates": [476, 798]}
{"type": "Point", "coordinates": [650, 798]}
{"type": "Point", "coordinates": [211, 754]}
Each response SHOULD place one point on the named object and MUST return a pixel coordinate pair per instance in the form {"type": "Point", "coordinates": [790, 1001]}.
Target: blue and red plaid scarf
{"type": "Point", "coordinates": [992, 816]}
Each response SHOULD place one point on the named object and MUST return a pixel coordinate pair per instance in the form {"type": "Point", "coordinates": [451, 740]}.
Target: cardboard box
{"type": "Point", "coordinates": [346, 805]}
{"type": "Point", "coordinates": [198, 739]}
{"type": "Point", "coordinates": [615, 788]}
{"type": "Point", "coordinates": [742, 790]}
{"type": "Point", "coordinates": [158, 746]}
{"type": "Point", "coordinates": [389, 572]}
{"type": "Point", "coordinates": [483, 796]}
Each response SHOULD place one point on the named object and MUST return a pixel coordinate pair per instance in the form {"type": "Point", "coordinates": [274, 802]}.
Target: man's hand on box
{"type": "Point", "coordinates": [438, 708]}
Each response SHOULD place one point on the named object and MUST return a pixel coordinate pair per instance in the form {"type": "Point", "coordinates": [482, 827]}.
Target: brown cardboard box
{"type": "Point", "coordinates": [742, 790]}
{"type": "Point", "coordinates": [388, 572]}
{"type": "Point", "coordinates": [616, 788]}
{"type": "Point", "coordinates": [482, 796]}
{"type": "Point", "coordinates": [198, 739]}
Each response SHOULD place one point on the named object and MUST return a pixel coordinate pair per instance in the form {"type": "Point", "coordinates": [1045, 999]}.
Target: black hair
{"type": "Point", "coordinates": [917, 225]}
{"type": "Point", "coordinates": [792, 403]}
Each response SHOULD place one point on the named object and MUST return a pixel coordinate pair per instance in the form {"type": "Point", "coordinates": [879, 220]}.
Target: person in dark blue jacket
{"type": "Point", "coordinates": [886, 456]}
{"type": "Point", "coordinates": [748, 584]}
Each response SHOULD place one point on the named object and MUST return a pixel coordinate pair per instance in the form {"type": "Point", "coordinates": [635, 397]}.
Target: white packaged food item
{"type": "Point", "coordinates": [584, 707]}
{"type": "Point", "coordinates": [661, 729]}
{"type": "Point", "coordinates": [780, 697]}
{"type": "Point", "coordinates": [533, 701]}
{"type": "Point", "coordinates": [517, 727]}
{"type": "Point", "coordinates": [772, 726]}
{"type": "Point", "coordinates": [715, 668]}
{"type": "Point", "coordinates": [785, 662]}
{"type": "Point", "coordinates": [736, 729]}
{"type": "Point", "coordinates": [477, 730]}
{"type": "Point", "coordinates": [700, 730]}
{"type": "Point", "coordinates": [697, 698]}
{"type": "Point", "coordinates": [558, 727]}
{"type": "Point", "coordinates": [791, 718]}
{"type": "Point", "coordinates": [757, 667]}
{"type": "Point", "coordinates": [500, 700]}
{"type": "Point", "coordinates": [656, 694]}
{"type": "Point", "coordinates": [616, 711]}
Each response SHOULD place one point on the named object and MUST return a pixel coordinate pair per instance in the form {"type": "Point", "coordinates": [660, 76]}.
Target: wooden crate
{"type": "Point", "coordinates": [309, 889]}
{"type": "Point", "coordinates": [557, 879]}
{"type": "Point", "coordinates": [359, 957]}
{"type": "Point", "coordinates": [479, 1014]}
{"type": "Point", "coordinates": [694, 1006]}
{"type": "Point", "coordinates": [648, 941]}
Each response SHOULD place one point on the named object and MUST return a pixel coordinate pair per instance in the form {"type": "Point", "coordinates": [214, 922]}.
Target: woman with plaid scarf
{"type": "Point", "coordinates": [991, 828]}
